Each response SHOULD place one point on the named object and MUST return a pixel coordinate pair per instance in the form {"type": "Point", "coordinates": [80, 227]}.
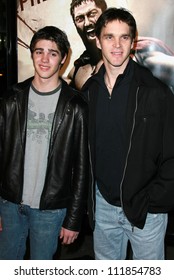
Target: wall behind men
{"type": "Point", "coordinates": [154, 19]}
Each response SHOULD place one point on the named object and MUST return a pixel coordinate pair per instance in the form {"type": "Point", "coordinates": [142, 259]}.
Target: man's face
{"type": "Point", "coordinates": [85, 17]}
{"type": "Point", "coordinates": [47, 59]}
{"type": "Point", "coordinates": [115, 42]}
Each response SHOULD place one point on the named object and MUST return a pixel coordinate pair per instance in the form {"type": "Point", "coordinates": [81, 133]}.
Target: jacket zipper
{"type": "Point", "coordinates": [92, 175]}
{"type": "Point", "coordinates": [129, 148]}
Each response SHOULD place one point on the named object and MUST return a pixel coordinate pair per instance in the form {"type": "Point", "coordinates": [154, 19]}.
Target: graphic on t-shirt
{"type": "Point", "coordinates": [39, 124]}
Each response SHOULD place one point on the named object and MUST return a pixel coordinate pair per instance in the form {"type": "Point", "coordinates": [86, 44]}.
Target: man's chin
{"type": "Point", "coordinates": [87, 38]}
{"type": "Point", "coordinates": [91, 38]}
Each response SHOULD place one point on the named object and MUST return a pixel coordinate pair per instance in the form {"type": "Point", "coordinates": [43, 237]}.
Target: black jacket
{"type": "Point", "coordinates": [148, 179]}
{"type": "Point", "coordinates": [66, 181]}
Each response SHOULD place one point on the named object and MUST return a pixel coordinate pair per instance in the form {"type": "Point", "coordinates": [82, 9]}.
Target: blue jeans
{"type": "Point", "coordinates": [113, 230]}
{"type": "Point", "coordinates": [19, 221]}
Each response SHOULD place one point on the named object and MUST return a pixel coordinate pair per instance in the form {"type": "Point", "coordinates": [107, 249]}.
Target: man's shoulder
{"type": "Point", "coordinates": [94, 80]}
{"type": "Point", "coordinates": [17, 89]}
{"type": "Point", "coordinates": [89, 84]}
{"type": "Point", "coordinates": [143, 73]}
{"type": "Point", "coordinates": [146, 78]}
{"type": "Point", "coordinates": [75, 96]}
{"type": "Point", "coordinates": [22, 86]}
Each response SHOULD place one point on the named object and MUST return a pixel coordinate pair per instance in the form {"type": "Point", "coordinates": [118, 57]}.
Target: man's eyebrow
{"type": "Point", "coordinates": [108, 34]}
{"type": "Point", "coordinates": [42, 49]}
{"type": "Point", "coordinates": [121, 35]}
{"type": "Point", "coordinates": [83, 14]}
{"type": "Point", "coordinates": [38, 49]}
{"type": "Point", "coordinates": [52, 50]}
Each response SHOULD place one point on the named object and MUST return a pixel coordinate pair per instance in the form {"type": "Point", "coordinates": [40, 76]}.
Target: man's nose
{"type": "Point", "coordinates": [87, 21]}
{"type": "Point", "coordinates": [116, 43]}
{"type": "Point", "coordinates": [45, 56]}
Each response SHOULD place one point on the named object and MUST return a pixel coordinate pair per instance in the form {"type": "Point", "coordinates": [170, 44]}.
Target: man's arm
{"type": "Point", "coordinates": [82, 75]}
{"type": "Point", "coordinates": [69, 77]}
{"type": "Point", "coordinates": [80, 171]}
{"type": "Point", "coordinates": [162, 66]}
{"type": "Point", "coordinates": [161, 188]}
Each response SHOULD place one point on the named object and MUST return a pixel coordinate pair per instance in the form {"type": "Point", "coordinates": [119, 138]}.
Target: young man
{"type": "Point", "coordinates": [149, 52]}
{"type": "Point", "coordinates": [43, 155]}
{"type": "Point", "coordinates": [131, 135]}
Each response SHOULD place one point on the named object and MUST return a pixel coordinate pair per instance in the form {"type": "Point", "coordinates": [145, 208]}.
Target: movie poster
{"type": "Point", "coordinates": [155, 47]}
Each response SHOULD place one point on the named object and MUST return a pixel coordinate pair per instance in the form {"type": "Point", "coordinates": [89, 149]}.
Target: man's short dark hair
{"type": "Point", "coordinates": [116, 14]}
{"type": "Point", "coordinates": [53, 34]}
{"type": "Point", "coordinates": [99, 3]}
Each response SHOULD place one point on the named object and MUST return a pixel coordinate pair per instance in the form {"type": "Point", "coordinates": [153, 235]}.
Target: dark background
{"type": "Point", "coordinates": [8, 44]}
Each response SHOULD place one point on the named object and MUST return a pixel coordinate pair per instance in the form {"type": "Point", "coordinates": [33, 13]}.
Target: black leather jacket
{"type": "Point", "coordinates": [66, 180]}
{"type": "Point", "coordinates": [148, 179]}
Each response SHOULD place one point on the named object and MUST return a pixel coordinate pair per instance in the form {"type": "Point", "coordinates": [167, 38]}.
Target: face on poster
{"type": "Point", "coordinates": [154, 19]}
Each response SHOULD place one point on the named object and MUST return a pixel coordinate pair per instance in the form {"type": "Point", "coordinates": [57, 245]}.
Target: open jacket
{"type": "Point", "coordinates": [66, 180]}
{"type": "Point", "coordinates": [148, 179]}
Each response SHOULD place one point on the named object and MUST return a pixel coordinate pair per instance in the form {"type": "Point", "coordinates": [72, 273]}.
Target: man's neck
{"type": "Point", "coordinates": [45, 85]}
{"type": "Point", "coordinates": [112, 74]}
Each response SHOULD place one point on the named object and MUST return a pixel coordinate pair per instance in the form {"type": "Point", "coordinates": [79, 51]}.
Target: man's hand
{"type": "Point", "coordinates": [68, 236]}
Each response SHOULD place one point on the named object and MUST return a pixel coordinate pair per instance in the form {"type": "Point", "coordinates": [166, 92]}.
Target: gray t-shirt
{"type": "Point", "coordinates": [41, 109]}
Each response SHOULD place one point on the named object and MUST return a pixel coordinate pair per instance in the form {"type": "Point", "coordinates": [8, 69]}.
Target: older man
{"type": "Point", "coordinates": [85, 14]}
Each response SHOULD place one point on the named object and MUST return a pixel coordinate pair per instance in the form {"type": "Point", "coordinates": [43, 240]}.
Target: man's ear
{"type": "Point", "coordinates": [63, 60]}
{"type": "Point", "coordinates": [98, 43]}
{"type": "Point", "coordinates": [133, 44]}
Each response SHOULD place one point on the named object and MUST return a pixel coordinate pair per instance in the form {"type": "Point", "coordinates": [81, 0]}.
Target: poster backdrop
{"type": "Point", "coordinates": [154, 19]}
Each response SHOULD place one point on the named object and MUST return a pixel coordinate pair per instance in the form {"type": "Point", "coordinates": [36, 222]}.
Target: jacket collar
{"type": "Point", "coordinates": [21, 91]}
